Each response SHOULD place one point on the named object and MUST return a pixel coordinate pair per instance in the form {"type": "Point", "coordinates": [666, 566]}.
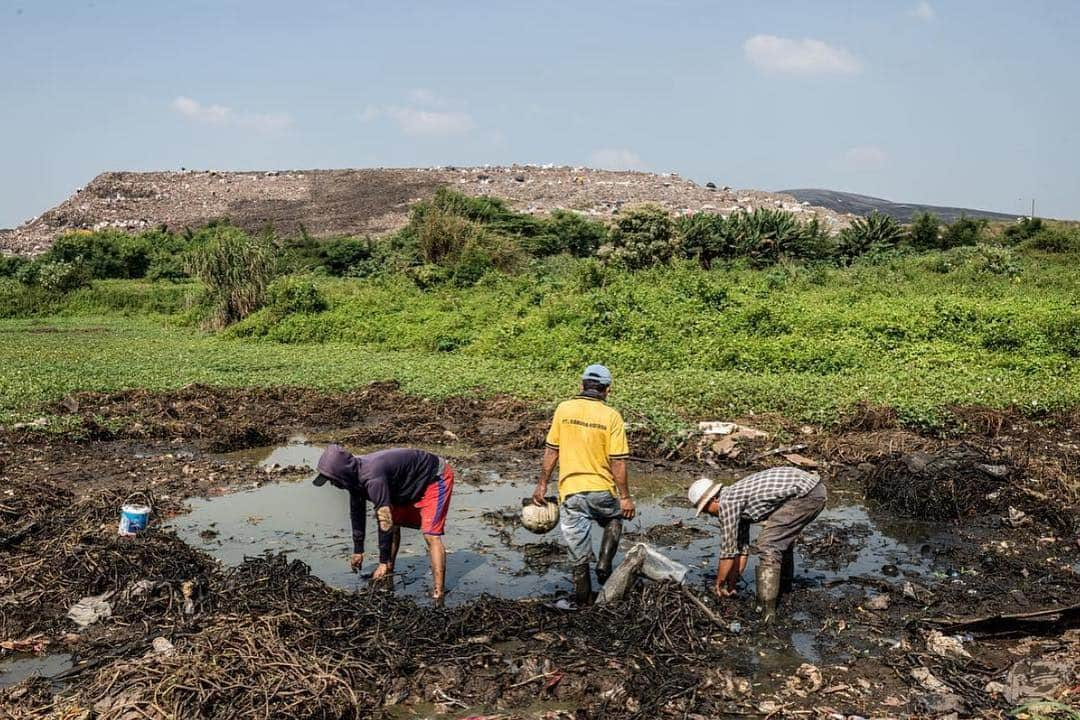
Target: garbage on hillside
{"type": "Point", "coordinates": [642, 560]}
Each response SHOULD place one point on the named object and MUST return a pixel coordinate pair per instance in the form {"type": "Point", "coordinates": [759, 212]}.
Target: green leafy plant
{"type": "Point", "coordinates": [925, 232]}
{"type": "Point", "coordinates": [874, 233]}
{"type": "Point", "coordinates": [641, 238]}
{"type": "Point", "coordinates": [236, 269]}
{"type": "Point", "coordinates": [963, 231]}
{"type": "Point", "coordinates": [341, 255]}
{"type": "Point", "coordinates": [62, 277]}
{"type": "Point", "coordinates": [1024, 228]}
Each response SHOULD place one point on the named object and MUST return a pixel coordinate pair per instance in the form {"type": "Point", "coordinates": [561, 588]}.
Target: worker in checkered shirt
{"type": "Point", "coordinates": [785, 500]}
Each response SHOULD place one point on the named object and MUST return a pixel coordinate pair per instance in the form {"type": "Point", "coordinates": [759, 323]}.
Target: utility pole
{"type": "Point", "coordinates": [1032, 208]}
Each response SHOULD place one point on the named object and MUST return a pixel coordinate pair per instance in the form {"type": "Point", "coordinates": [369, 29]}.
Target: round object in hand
{"type": "Point", "coordinates": [539, 518]}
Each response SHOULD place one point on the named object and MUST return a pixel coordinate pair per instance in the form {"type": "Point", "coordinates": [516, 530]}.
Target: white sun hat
{"type": "Point", "coordinates": [702, 491]}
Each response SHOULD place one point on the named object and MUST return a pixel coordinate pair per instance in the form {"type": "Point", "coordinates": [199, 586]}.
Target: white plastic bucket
{"type": "Point", "coordinates": [133, 517]}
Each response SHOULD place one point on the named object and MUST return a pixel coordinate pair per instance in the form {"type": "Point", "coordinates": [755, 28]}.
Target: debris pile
{"type": "Point", "coordinates": [372, 201]}
{"type": "Point", "coordinates": [957, 482]}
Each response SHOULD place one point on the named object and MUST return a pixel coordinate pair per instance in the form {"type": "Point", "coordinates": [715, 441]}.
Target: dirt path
{"type": "Point", "coordinates": [268, 628]}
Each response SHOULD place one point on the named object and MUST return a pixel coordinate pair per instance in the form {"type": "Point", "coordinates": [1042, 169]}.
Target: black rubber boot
{"type": "Point", "coordinates": [787, 570]}
{"type": "Point", "coordinates": [609, 545]}
{"type": "Point", "coordinates": [768, 589]}
{"type": "Point", "coordinates": [582, 585]}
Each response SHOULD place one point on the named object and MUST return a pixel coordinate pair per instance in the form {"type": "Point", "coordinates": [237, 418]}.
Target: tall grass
{"type": "Point", "coordinates": [236, 269]}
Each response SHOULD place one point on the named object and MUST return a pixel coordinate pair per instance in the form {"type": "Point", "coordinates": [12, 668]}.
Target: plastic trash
{"type": "Point", "coordinates": [642, 560]}
{"type": "Point", "coordinates": [90, 609]}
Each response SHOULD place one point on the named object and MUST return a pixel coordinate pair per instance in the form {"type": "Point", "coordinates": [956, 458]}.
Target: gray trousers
{"type": "Point", "coordinates": [579, 512]}
{"type": "Point", "coordinates": [780, 530]}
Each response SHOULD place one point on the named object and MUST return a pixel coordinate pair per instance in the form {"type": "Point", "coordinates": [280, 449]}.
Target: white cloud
{"type": "Point", "coordinates": [804, 57]}
{"type": "Point", "coordinates": [865, 158]}
{"type": "Point", "coordinates": [226, 116]}
{"type": "Point", "coordinates": [616, 159]}
{"type": "Point", "coordinates": [923, 11]}
{"type": "Point", "coordinates": [412, 121]}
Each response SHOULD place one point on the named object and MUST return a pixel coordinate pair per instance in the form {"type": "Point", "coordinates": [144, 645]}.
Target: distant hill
{"type": "Point", "coordinates": [370, 201]}
{"type": "Point", "coordinates": [843, 202]}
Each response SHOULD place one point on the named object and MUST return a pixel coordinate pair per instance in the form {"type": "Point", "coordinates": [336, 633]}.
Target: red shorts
{"type": "Point", "coordinates": [428, 514]}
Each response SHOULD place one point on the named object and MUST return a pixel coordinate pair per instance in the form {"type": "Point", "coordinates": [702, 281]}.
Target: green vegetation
{"type": "Point", "coordinates": [697, 316]}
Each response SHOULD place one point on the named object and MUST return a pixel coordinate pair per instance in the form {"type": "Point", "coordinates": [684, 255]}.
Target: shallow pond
{"type": "Point", "coordinates": [20, 667]}
{"type": "Point", "coordinates": [489, 552]}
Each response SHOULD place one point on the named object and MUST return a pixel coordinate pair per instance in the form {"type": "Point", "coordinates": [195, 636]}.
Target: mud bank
{"type": "Point", "coordinates": [866, 631]}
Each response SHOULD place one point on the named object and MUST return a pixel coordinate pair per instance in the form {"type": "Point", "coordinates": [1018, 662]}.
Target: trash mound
{"type": "Point", "coordinates": [956, 482]}
{"type": "Point", "coordinates": [371, 201]}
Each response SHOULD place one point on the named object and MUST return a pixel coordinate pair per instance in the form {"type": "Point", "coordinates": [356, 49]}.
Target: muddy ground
{"type": "Point", "coordinates": [921, 531]}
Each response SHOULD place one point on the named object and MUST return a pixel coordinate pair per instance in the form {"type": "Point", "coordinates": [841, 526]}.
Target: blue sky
{"type": "Point", "coordinates": [947, 102]}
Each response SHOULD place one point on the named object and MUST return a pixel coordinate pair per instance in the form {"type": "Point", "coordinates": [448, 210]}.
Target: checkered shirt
{"type": "Point", "coordinates": [753, 499]}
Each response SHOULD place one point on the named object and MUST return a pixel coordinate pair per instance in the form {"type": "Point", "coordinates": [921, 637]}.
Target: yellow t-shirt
{"type": "Point", "coordinates": [588, 434]}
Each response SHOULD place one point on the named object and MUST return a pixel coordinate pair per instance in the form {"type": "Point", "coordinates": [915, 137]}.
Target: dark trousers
{"type": "Point", "coordinates": [780, 530]}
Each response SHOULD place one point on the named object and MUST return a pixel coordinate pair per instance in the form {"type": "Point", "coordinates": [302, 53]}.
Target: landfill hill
{"type": "Point", "coordinates": [326, 203]}
{"type": "Point", "coordinates": [844, 202]}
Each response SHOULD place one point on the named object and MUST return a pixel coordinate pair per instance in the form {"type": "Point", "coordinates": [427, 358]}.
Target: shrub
{"type": "Point", "coordinates": [11, 264]}
{"type": "Point", "coordinates": [707, 237]}
{"type": "Point", "coordinates": [1063, 334]}
{"type": "Point", "coordinates": [641, 238]}
{"type": "Point", "coordinates": [289, 295]}
{"type": "Point", "coordinates": [236, 269]}
{"type": "Point", "coordinates": [573, 233]}
{"type": "Point", "coordinates": [964, 231]}
{"type": "Point", "coordinates": [1055, 240]}
{"type": "Point", "coordinates": [60, 277]}
{"type": "Point", "coordinates": [341, 255]}
{"type": "Point", "coordinates": [1023, 229]}
{"type": "Point", "coordinates": [874, 233]}
{"type": "Point", "coordinates": [925, 232]}
{"type": "Point", "coordinates": [106, 253]}
{"type": "Point", "coordinates": [768, 236]}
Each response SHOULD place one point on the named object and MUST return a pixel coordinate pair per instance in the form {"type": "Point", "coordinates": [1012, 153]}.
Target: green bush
{"type": "Point", "coordinates": [1055, 240]}
{"type": "Point", "coordinates": [1023, 229]}
{"type": "Point", "coordinates": [11, 264]}
{"type": "Point", "coordinates": [641, 238]}
{"type": "Point", "coordinates": [341, 255]}
{"type": "Point", "coordinates": [573, 233]}
{"type": "Point", "coordinates": [236, 269]}
{"type": "Point", "coordinates": [61, 277]}
{"type": "Point", "coordinates": [925, 232]}
{"type": "Point", "coordinates": [767, 236]}
{"type": "Point", "coordinates": [708, 237]}
{"type": "Point", "coordinates": [875, 233]}
{"type": "Point", "coordinates": [105, 253]}
{"type": "Point", "coordinates": [293, 294]}
{"type": "Point", "coordinates": [963, 231]}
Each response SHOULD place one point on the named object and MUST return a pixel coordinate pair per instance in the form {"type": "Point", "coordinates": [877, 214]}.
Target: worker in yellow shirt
{"type": "Point", "coordinates": [588, 442]}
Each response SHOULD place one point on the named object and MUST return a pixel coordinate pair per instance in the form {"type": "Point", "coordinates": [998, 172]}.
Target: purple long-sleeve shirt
{"type": "Point", "coordinates": [397, 476]}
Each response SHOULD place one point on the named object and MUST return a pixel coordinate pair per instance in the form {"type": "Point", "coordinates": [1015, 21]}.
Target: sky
{"type": "Point", "coordinates": [951, 102]}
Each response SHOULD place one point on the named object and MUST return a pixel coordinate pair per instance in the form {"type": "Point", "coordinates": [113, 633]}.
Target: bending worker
{"type": "Point", "coordinates": [407, 487]}
{"type": "Point", "coordinates": [588, 442]}
{"type": "Point", "coordinates": [784, 499]}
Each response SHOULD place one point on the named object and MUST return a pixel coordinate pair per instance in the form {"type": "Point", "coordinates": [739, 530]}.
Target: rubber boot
{"type": "Point", "coordinates": [768, 589]}
{"type": "Point", "coordinates": [609, 545]}
{"type": "Point", "coordinates": [582, 585]}
{"type": "Point", "coordinates": [787, 570]}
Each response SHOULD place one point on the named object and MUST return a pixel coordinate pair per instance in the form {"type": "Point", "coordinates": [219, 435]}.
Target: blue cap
{"type": "Point", "coordinates": [599, 373]}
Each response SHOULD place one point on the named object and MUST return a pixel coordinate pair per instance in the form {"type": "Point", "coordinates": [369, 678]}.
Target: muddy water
{"type": "Point", "coordinates": [488, 552]}
{"type": "Point", "coordinates": [21, 667]}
